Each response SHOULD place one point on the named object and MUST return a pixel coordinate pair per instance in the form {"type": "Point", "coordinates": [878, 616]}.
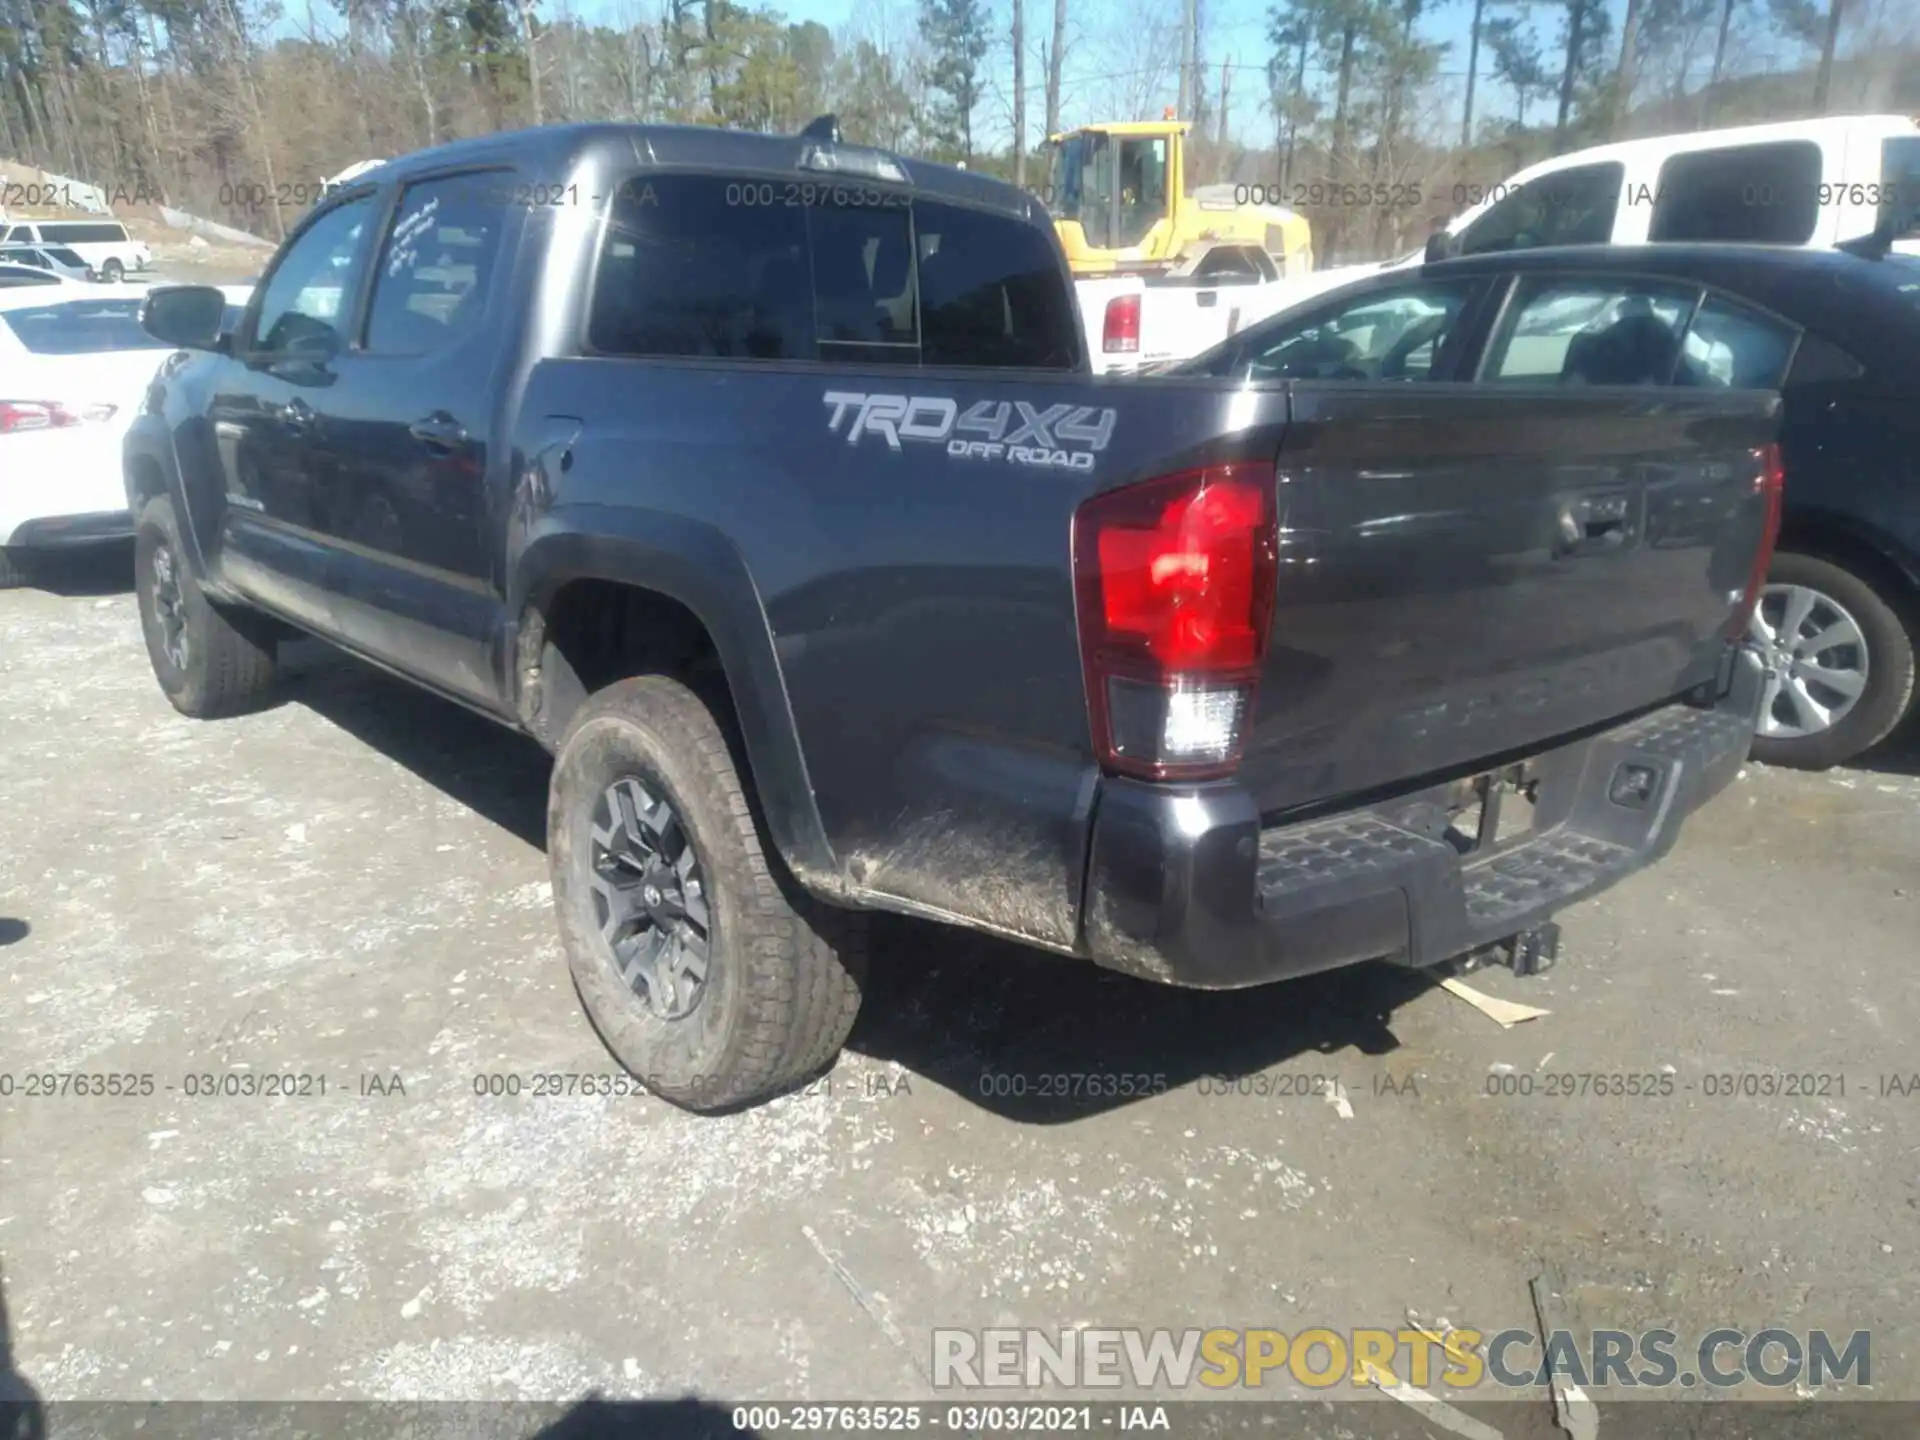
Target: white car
{"type": "Point", "coordinates": [105, 245]}
{"type": "Point", "coordinates": [55, 258]}
{"type": "Point", "coordinates": [74, 368]}
{"type": "Point", "coordinates": [14, 276]}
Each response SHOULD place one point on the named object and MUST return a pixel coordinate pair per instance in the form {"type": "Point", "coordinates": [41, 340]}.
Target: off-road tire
{"type": "Point", "coordinates": [230, 653]}
{"type": "Point", "coordinates": [784, 970]}
{"type": "Point", "coordinates": [13, 569]}
{"type": "Point", "coordinates": [1890, 646]}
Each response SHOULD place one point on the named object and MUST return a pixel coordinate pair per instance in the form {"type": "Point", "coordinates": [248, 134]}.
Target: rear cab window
{"type": "Point", "coordinates": [1743, 194]}
{"type": "Point", "coordinates": [703, 266]}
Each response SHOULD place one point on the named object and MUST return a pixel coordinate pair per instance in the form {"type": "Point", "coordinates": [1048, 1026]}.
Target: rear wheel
{"type": "Point", "coordinates": [705, 968]}
{"type": "Point", "coordinates": [209, 660]}
{"type": "Point", "coordinates": [1843, 663]}
{"type": "Point", "coordinates": [113, 272]}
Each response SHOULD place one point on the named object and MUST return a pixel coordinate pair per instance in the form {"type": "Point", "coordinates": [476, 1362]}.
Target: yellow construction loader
{"type": "Point", "coordinates": [1120, 203]}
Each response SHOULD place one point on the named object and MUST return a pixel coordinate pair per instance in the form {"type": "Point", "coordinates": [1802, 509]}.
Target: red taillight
{"type": "Point", "coordinates": [1770, 484]}
{"type": "Point", "coordinates": [1174, 581]}
{"type": "Point", "coordinates": [1120, 334]}
{"type": "Point", "coordinates": [19, 416]}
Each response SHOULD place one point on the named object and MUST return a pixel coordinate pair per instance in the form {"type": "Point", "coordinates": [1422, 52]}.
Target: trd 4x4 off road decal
{"type": "Point", "coordinates": [1066, 437]}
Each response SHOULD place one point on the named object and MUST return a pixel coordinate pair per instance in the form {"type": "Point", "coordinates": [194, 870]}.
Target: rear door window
{"type": "Point", "coordinates": [1758, 194]}
{"type": "Point", "coordinates": [705, 267]}
{"type": "Point", "coordinates": [1590, 331]}
{"type": "Point", "coordinates": [430, 287]}
{"type": "Point", "coordinates": [1574, 206]}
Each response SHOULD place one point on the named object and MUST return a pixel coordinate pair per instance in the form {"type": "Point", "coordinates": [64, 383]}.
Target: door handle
{"type": "Point", "coordinates": [297, 415]}
{"type": "Point", "coordinates": [1594, 523]}
{"type": "Point", "coordinates": [439, 432]}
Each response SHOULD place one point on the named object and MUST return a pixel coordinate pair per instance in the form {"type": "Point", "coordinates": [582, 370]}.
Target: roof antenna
{"type": "Point", "coordinates": [826, 128]}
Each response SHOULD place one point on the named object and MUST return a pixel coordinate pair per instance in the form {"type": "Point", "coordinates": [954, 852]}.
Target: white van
{"type": "Point", "coordinates": [105, 245]}
{"type": "Point", "coordinates": [1800, 182]}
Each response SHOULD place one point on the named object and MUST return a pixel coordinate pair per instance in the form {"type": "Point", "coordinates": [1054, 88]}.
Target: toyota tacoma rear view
{"type": "Point", "coordinates": [763, 481]}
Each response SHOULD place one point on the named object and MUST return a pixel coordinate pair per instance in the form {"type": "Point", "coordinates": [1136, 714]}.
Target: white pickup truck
{"type": "Point", "coordinates": [1135, 322]}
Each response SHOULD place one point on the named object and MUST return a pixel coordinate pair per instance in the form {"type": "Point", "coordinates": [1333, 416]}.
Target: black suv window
{"type": "Point", "coordinates": [1759, 194]}
{"type": "Point", "coordinates": [308, 296]}
{"type": "Point", "coordinates": [1575, 206]}
{"type": "Point", "coordinates": [704, 266]}
{"type": "Point", "coordinates": [430, 286]}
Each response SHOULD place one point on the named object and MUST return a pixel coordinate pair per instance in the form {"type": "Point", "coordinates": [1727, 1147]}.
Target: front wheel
{"type": "Point", "coordinates": [705, 968]}
{"type": "Point", "coordinates": [113, 272]}
{"type": "Point", "coordinates": [209, 660]}
{"type": "Point", "coordinates": [1842, 662]}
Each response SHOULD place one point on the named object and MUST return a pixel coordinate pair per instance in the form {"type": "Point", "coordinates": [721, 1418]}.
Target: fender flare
{"type": "Point", "coordinates": [690, 562]}
{"type": "Point", "coordinates": [148, 441]}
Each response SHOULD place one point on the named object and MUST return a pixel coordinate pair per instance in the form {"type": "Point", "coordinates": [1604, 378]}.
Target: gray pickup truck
{"type": "Point", "coordinates": [762, 480]}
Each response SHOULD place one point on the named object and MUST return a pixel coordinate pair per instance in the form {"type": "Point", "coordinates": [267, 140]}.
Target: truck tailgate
{"type": "Point", "coordinates": [1466, 575]}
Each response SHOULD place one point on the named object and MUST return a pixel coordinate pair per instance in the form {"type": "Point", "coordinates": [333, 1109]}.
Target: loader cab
{"type": "Point", "coordinates": [1112, 187]}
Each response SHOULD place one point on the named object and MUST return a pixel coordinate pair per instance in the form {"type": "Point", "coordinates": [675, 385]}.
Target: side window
{"type": "Point", "coordinates": [991, 292]}
{"type": "Point", "coordinates": [1763, 194]}
{"type": "Point", "coordinates": [1729, 345]}
{"type": "Point", "coordinates": [15, 235]}
{"type": "Point", "coordinates": [1391, 335]}
{"type": "Point", "coordinates": [1590, 332]}
{"type": "Point", "coordinates": [692, 265]}
{"type": "Point", "coordinates": [1575, 206]}
{"type": "Point", "coordinates": [303, 308]}
{"type": "Point", "coordinates": [430, 287]}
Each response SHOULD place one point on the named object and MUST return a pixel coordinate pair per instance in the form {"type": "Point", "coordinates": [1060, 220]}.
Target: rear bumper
{"type": "Point", "coordinates": [1187, 888]}
{"type": "Point", "coordinates": [60, 532]}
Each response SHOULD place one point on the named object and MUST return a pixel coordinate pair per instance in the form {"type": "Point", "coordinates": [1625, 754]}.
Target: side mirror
{"type": "Point", "coordinates": [1442, 246]}
{"type": "Point", "coordinates": [190, 316]}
